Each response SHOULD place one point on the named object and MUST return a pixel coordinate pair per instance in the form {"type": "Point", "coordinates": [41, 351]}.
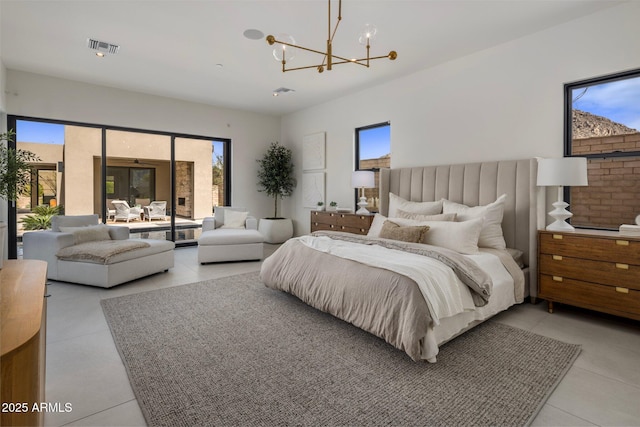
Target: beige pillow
{"type": "Point", "coordinates": [491, 235]}
{"type": "Point", "coordinates": [234, 219]}
{"type": "Point", "coordinates": [91, 233]}
{"type": "Point", "coordinates": [425, 208]}
{"type": "Point", "coordinates": [421, 217]}
{"type": "Point", "coordinates": [411, 234]}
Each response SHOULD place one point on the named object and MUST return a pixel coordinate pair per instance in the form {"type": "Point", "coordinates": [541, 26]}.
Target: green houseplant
{"type": "Point", "coordinates": [15, 176]}
{"type": "Point", "coordinates": [276, 178]}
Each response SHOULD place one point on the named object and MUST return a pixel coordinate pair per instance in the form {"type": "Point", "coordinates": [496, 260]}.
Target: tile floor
{"type": "Point", "coordinates": [84, 368]}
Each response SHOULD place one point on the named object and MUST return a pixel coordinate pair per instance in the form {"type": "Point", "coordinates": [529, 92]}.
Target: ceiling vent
{"type": "Point", "coordinates": [102, 47]}
{"type": "Point", "coordinates": [282, 90]}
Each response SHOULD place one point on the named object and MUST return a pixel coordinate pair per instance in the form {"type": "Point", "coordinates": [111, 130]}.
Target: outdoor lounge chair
{"type": "Point", "coordinates": [125, 212]}
{"type": "Point", "coordinates": [156, 210]}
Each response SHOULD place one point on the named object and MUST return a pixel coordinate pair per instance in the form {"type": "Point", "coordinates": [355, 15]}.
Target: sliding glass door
{"type": "Point", "coordinates": [168, 182]}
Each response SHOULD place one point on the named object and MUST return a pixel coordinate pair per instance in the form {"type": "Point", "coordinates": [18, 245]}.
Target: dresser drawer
{"type": "Point", "coordinates": [604, 272]}
{"type": "Point", "coordinates": [610, 299]}
{"type": "Point", "coordinates": [613, 249]}
{"type": "Point", "coordinates": [346, 222]}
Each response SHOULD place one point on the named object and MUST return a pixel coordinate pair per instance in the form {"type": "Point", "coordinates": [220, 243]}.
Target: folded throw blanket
{"type": "Point", "coordinates": [99, 252]}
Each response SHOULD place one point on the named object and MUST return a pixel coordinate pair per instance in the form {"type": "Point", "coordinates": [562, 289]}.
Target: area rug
{"type": "Point", "coordinates": [231, 352]}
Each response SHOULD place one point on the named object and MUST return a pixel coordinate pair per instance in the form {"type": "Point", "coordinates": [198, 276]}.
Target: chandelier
{"type": "Point", "coordinates": [329, 59]}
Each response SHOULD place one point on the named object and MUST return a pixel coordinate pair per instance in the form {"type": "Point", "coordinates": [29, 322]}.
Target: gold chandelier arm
{"type": "Point", "coordinates": [298, 47]}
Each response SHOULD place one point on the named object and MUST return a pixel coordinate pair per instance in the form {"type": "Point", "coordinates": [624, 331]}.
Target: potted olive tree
{"type": "Point", "coordinates": [275, 177]}
{"type": "Point", "coordinates": [15, 177]}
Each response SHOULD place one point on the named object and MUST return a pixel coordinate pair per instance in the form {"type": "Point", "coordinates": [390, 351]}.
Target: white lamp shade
{"type": "Point", "coordinates": [363, 179]}
{"type": "Point", "coordinates": [565, 171]}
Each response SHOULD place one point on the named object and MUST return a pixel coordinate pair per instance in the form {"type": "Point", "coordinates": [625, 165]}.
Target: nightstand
{"type": "Point", "coordinates": [597, 270]}
{"type": "Point", "coordinates": [338, 221]}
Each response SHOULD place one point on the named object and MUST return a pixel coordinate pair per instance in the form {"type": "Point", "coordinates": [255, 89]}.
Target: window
{"type": "Point", "coordinates": [602, 123]}
{"type": "Point", "coordinates": [83, 167]}
{"type": "Point", "coordinates": [373, 151]}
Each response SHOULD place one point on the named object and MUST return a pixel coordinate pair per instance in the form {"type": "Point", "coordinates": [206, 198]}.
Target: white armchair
{"type": "Point", "coordinates": [125, 212]}
{"type": "Point", "coordinates": [230, 235]}
{"type": "Point", "coordinates": [156, 210]}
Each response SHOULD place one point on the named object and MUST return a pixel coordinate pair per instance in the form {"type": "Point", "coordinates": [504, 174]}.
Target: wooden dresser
{"type": "Point", "coordinates": [598, 270]}
{"type": "Point", "coordinates": [338, 221]}
{"type": "Point", "coordinates": [24, 316]}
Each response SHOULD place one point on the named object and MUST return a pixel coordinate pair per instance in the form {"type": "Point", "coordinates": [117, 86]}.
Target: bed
{"type": "Point", "coordinates": [381, 284]}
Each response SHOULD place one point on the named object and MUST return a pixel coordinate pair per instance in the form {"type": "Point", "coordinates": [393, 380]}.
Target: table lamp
{"type": "Point", "coordinates": [362, 180]}
{"type": "Point", "coordinates": [560, 172]}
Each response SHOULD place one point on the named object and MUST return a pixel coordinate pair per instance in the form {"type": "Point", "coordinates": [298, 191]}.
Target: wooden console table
{"type": "Point", "coordinates": [23, 315]}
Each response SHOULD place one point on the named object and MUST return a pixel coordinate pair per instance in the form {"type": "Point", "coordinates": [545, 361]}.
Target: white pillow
{"type": "Point", "coordinates": [234, 219]}
{"type": "Point", "coordinates": [491, 235]}
{"type": "Point", "coordinates": [376, 225]}
{"type": "Point", "coordinates": [422, 217]}
{"type": "Point", "coordinates": [91, 233]}
{"type": "Point", "coordinates": [425, 208]}
{"type": "Point", "coordinates": [458, 236]}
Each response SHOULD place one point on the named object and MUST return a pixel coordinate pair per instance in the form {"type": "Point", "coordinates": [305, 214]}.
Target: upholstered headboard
{"type": "Point", "coordinates": [477, 184]}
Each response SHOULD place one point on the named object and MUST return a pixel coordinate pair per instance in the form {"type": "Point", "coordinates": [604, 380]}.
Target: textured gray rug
{"type": "Point", "coordinates": [232, 352]}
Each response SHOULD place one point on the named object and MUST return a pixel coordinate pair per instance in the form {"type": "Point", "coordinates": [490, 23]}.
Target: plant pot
{"type": "Point", "coordinates": [3, 238]}
{"type": "Point", "coordinates": [332, 208]}
{"type": "Point", "coordinates": [320, 208]}
{"type": "Point", "coordinates": [276, 230]}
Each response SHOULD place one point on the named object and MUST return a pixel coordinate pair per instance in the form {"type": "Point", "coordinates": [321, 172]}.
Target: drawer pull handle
{"type": "Point", "coordinates": [557, 279]}
{"type": "Point", "coordinates": [341, 216]}
{"type": "Point", "coordinates": [622, 266]}
{"type": "Point", "coordinates": [622, 290]}
{"type": "Point", "coordinates": [342, 227]}
{"type": "Point", "coordinates": [622, 242]}
{"type": "Point", "coordinates": [557, 236]}
{"type": "Point", "coordinates": [557, 257]}
{"type": "Point", "coordinates": [331, 225]}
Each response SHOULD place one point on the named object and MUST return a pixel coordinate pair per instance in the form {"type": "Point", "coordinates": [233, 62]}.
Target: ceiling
{"type": "Point", "coordinates": [196, 51]}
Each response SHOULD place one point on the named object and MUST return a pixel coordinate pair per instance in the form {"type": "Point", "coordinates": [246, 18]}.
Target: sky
{"type": "Point", "coordinates": [45, 133]}
{"type": "Point", "coordinates": [375, 142]}
{"type": "Point", "coordinates": [618, 101]}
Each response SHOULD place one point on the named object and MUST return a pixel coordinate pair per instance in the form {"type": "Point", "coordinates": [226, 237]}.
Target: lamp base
{"type": "Point", "coordinates": [560, 214]}
{"type": "Point", "coordinates": [362, 204]}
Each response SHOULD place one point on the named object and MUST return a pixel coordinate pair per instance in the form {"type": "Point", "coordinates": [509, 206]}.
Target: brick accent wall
{"type": "Point", "coordinates": [612, 197]}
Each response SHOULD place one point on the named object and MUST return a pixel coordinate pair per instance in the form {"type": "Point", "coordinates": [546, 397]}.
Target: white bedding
{"type": "Point", "coordinates": [443, 291]}
{"type": "Point", "coordinates": [502, 297]}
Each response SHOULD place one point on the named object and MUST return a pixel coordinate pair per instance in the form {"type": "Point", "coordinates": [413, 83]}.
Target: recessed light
{"type": "Point", "coordinates": [253, 34]}
{"type": "Point", "coordinates": [100, 54]}
{"type": "Point", "coordinates": [219, 65]}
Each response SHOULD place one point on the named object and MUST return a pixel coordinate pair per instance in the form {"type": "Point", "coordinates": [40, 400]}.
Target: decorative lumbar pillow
{"type": "Point", "coordinates": [411, 234]}
{"type": "Point", "coordinates": [91, 233]}
{"type": "Point", "coordinates": [461, 237]}
{"type": "Point", "coordinates": [422, 217]}
{"type": "Point", "coordinates": [234, 219]}
{"type": "Point", "coordinates": [491, 235]}
{"type": "Point", "coordinates": [425, 208]}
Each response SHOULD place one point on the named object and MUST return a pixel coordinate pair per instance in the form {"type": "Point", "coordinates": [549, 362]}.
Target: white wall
{"type": "Point", "coordinates": [502, 103]}
{"type": "Point", "coordinates": [41, 96]}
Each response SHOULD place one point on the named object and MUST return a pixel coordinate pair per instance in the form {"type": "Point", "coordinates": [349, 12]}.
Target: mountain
{"type": "Point", "coordinates": [587, 125]}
